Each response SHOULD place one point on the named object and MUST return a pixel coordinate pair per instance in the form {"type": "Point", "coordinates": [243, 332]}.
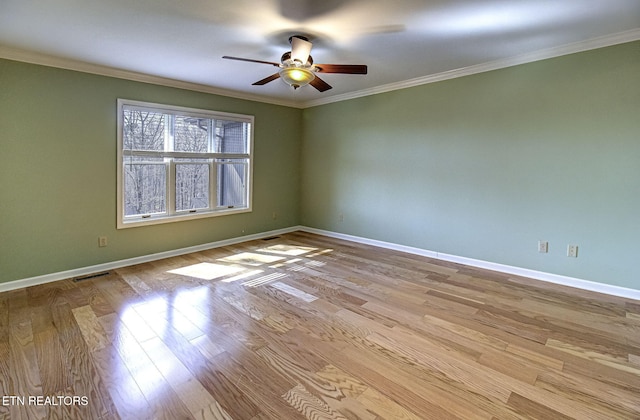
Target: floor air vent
{"type": "Point", "coordinates": [271, 238]}
{"type": "Point", "coordinates": [91, 276]}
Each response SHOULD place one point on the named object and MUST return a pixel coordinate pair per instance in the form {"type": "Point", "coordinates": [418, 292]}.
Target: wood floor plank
{"type": "Point", "coordinates": [350, 389]}
{"type": "Point", "coordinates": [603, 357]}
{"type": "Point", "coordinates": [41, 318]}
{"type": "Point", "coordinates": [466, 373]}
{"type": "Point", "coordinates": [95, 299]}
{"type": "Point", "coordinates": [210, 374]}
{"type": "Point", "coordinates": [309, 405]}
{"type": "Point", "coordinates": [251, 370]}
{"type": "Point", "coordinates": [384, 407]}
{"type": "Point", "coordinates": [609, 323]}
{"type": "Point", "coordinates": [393, 380]}
{"type": "Point", "coordinates": [512, 366]}
{"type": "Point", "coordinates": [49, 354]}
{"type": "Point", "coordinates": [535, 358]}
{"type": "Point", "coordinates": [446, 333]}
{"type": "Point", "coordinates": [214, 412]}
{"type": "Point", "coordinates": [5, 376]}
{"type": "Point", "coordinates": [293, 291]}
{"type": "Point", "coordinates": [61, 409]}
{"type": "Point", "coordinates": [92, 332]}
{"type": "Point", "coordinates": [75, 354]}
{"type": "Point", "coordinates": [611, 400]}
{"type": "Point", "coordinates": [23, 369]}
{"type": "Point", "coordinates": [533, 410]}
{"type": "Point", "coordinates": [156, 389]}
{"type": "Point", "coordinates": [190, 391]}
{"type": "Point", "coordinates": [18, 309]}
{"type": "Point", "coordinates": [4, 317]}
{"type": "Point", "coordinates": [304, 326]}
{"type": "Point", "coordinates": [292, 345]}
{"type": "Point", "coordinates": [122, 387]}
{"type": "Point", "coordinates": [604, 374]}
{"type": "Point", "coordinates": [227, 321]}
{"type": "Point", "coordinates": [296, 373]}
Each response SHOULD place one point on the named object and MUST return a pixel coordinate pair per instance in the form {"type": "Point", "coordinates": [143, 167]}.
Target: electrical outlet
{"type": "Point", "coordinates": [572, 251]}
{"type": "Point", "coordinates": [274, 216]}
{"type": "Point", "coordinates": [341, 216]}
{"type": "Point", "coordinates": [102, 241]}
{"type": "Point", "coordinates": [543, 247]}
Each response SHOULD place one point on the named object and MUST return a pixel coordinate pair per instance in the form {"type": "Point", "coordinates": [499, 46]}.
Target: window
{"type": "Point", "coordinates": [179, 163]}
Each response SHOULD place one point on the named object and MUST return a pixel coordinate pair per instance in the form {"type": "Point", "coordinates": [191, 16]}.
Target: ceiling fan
{"type": "Point", "coordinates": [297, 68]}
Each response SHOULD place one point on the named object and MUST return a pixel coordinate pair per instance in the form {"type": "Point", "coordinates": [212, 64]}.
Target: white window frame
{"type": "Point", "coordinates": [171, 214]}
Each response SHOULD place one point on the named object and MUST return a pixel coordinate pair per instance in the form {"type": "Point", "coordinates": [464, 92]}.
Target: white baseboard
{"type": "Point", "coordinates": [524, 272]}
{"type": "Point", "coordinates": [83, 271]}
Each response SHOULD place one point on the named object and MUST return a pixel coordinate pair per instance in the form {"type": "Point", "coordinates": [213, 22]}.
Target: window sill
{"type": "Point", "coordinates": [157, 219]}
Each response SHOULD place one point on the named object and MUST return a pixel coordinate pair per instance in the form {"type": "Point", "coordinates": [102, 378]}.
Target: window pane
{"type": "Point", "coordinates": [191, 134]}
{"type": "Point", "coordinates": [232, 177]}
{"type": "Point", "coordinates": [192, 186]}
{"type": "Point", "coordinates": [231, 137]}
{"type": "Point", "coordinates": [143, 130]}
{"type": "Point", "coordinates": [145, 188]}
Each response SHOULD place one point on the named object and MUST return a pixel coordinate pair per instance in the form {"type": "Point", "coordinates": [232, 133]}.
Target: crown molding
{"type": "Point", "coordinates": [572, 48]}
{"type": "Point", "coordinates": [84, 67]}
{"type": "Point", "coordinates": [75, 65]}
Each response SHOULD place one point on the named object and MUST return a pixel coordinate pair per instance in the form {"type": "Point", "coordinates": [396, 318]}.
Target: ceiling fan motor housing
{"type": "Point", "coordinates": [287, 61]}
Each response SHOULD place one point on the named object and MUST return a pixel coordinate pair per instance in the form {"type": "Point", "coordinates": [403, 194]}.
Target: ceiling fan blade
{"type": "Point", "coordinates": [250, 60]}
{"type": "Point", "coordinates": [341, 68]}
{"type": "Point", "coordinates": [320, 84]}
{"type": "Point", "coordinates": [267, 79]}
{"type": "Point", "coordinates": [300, 49]}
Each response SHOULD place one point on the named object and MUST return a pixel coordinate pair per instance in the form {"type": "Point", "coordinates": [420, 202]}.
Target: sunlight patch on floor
{"type": "Point", "coordinates": [282, 264]}
{"type": "Point", "coordinates": [324, 251]}
{"type": "Point", "coordinates": [251, 258]}
{"type": "Point", "coordinates": [206, 271]}
{"type": "Point", "coordinates": [292, 250]}
{"type": "Point", "coordinates": [315, 263]}
{"type": "Point", "coordinates": [263, 280]}
{"type": "Point", "coordinates": [293, 291]}
{"type": "Point", "coordinates": [241, 276]}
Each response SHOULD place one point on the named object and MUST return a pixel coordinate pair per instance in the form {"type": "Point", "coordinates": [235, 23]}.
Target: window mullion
{"type": "Point", "coordinates": [169, 133]}
{"type": "Point", "coordinates": [171, 186]}
{"type": "Point", "coordinates": [211, 136]}
{"type": "Point", "coordinates": [170, 164]}
{"type": "Point", "coordinates": [247, 181]}
{"type": "Point", "coordinates": [213, 183]}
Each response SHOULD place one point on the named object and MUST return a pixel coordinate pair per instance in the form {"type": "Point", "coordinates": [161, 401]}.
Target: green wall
{"type": "Point", "coordinates": [58, 171]}
{"type": "Point", "coordinates": [484, 166]}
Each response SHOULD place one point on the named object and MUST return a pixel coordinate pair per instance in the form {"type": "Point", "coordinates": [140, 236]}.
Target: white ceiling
{"type": "Point", "coordinates": [402, 42]}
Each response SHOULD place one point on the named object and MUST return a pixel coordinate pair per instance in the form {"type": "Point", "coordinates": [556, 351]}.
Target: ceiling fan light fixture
{"type": "Point", "coordinates": [296, 76]}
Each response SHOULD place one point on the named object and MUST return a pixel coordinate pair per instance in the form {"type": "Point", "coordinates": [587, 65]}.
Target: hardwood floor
{"type": "Point", "coordinates": [304, 326]}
